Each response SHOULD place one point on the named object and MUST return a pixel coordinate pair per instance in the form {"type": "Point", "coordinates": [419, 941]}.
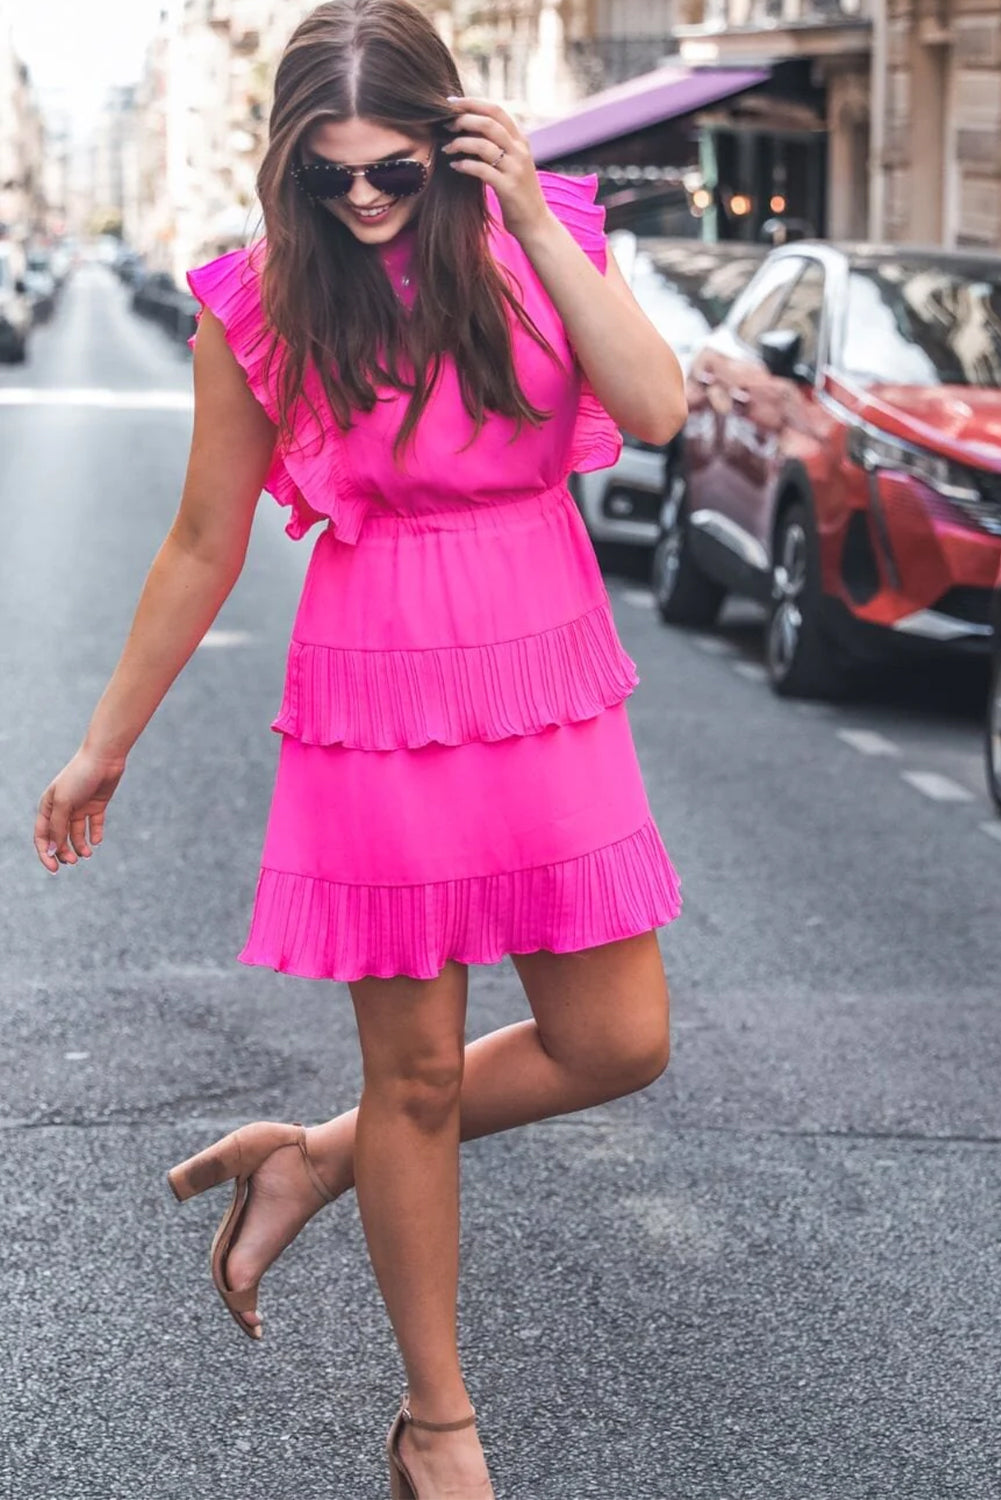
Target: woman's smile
{"type": "Point", "coordinates": [372, 215]}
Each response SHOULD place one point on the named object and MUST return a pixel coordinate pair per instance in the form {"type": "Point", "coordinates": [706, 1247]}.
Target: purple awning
{"type": "Point", "coordinates": [663, 94]}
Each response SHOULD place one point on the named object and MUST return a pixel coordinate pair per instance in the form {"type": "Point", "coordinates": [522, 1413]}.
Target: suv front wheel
{"type": "Point", "coordinates": [683, 593]}
{"type": "Point", "coordinates": [993, 742]}
{"type": "Point", "coordinates": [801, 659]}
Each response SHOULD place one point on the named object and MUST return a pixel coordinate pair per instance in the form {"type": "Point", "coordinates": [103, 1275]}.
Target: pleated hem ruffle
{"type": "Point", "coordinates": [320, 929]}
{"type": "Point", "coordinates": [392, 700]}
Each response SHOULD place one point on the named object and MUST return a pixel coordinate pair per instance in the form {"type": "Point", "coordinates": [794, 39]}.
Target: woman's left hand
{"type": "Point", "coordinates": [486, 130]}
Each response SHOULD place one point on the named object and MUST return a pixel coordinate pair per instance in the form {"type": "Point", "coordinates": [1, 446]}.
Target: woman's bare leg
{"type": "Point", "coordinates": [600, 1029]}
{"type": "Point", "coordinates": [406, 1167]}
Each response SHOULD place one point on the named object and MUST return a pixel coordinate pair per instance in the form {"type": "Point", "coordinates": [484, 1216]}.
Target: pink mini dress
{"type": "Point", "coordinates": [456, 776]}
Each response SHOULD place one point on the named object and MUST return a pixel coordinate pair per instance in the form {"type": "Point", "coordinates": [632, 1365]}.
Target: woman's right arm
{"type": "Point", "coordinates": [192, 574]}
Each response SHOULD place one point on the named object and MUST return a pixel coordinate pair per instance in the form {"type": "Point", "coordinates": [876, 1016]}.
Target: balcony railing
{"type": "Point", "coordinates": [598, 62]}
{"type": "Point", "coordinates": [751, 15]}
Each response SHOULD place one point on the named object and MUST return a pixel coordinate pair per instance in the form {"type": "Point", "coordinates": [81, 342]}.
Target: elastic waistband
{"type": "Point", "coordinates": [486, 513]}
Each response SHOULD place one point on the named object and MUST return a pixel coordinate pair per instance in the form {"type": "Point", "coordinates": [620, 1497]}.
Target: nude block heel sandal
{"type": "Point", "coordinates": [235, 1159]}
{"type": "Point", "coordinates": [401, 1484]}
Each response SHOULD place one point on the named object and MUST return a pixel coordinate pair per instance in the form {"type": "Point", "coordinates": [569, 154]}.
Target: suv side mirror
{"type": "Point", "coordinates": [780, 350]}
{"type": "Point", "coordinates": [21, 286]}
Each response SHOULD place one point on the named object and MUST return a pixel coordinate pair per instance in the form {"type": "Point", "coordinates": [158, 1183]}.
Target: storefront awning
{"type": "Point", "coordinates": [664, 94]}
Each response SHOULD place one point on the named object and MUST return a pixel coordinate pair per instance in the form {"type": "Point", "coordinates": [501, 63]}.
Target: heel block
{"type": "Point", "coordinates": [174, 1183]}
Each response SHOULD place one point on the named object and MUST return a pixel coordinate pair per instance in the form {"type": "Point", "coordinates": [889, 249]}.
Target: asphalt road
{"type": "Point", "coordinates": [773, 1276]}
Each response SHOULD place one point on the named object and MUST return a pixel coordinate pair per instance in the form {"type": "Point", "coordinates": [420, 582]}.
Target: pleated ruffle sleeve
{"type": "Point", "coordinates": [309, 475]}
{"type": "Point", "coordinates": [597, 441]}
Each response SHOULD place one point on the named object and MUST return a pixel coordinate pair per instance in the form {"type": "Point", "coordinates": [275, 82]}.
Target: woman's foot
{"type": "Point", "coordinates": [283, 1198]}
{"type": "Point", "coordinates": [446, 1465]}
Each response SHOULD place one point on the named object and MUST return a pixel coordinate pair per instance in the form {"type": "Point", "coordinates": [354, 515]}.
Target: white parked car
{"type": "Point", "coordinates": [15, 304]}
{"type": "Point", "coordinates": [41, 284]}
{"type": "Point", "coordinates": [685, 288]}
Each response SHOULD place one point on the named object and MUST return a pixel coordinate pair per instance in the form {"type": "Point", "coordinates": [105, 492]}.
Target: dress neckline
{"type": "Point", "coordinates": [401, 243]}
{"type": "Point", "coordinates": [397, 255]}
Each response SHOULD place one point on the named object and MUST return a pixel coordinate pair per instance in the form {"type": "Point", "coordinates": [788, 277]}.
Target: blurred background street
{"type": "Point", "coordinates": [775, 1274]}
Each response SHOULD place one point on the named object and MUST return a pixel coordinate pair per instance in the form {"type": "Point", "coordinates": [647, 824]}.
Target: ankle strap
{"type": "Point", "coordinates": [311, 1172]}
{"type": "Point", "coordinates": [408, 1416]}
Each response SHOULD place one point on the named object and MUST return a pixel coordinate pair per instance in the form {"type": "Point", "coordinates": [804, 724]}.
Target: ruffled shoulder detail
{"type": "Point", "coordinates": [572, 200]}
{"type": "Point", "coordinates": [230, 287]}
{"type": "Point", "coordinates": [313, 464]}
{"type": "Point", "coordinates": [596, 442]}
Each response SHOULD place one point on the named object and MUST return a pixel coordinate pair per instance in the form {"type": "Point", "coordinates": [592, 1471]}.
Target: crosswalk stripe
{"type": "Point", "coordinates": [226, 638]}
{"type": "Point", "coordinates": [938, 788]}
{"type": "Point", "coordinates": [868, 742]}
{"type": "Point", "coordinates": [638, 598]}
{"type": "Point", "coordinates": [152, 400]}
{"type": "Point", "coordinates": [751, 670]}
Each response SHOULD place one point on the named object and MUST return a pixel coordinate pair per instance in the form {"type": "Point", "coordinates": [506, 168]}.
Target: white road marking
{"type": "Point", "coordinates": [226, 638]}
{"type": "Point", "coordinates": [638, 598]}
{"type": "Point", "coordinates": [712, 645]}
{"type": "Point", "coordinates": [868, 742]}
{"type": "Point", "coordinates": [938, 788]}
{"type": "Point", "coordinates": [751, 670]}
{"type": "Point", "coordinates": [77, 1056]}
{"type": "Point", "coordinates": [992, 830]}
{"type": "Point", "coordinates": [96, 396]}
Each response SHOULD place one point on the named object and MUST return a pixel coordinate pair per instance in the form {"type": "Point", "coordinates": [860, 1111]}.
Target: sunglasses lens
{"type": "Point", "coordinates": [323, 180]}
{"type": "Point", "coordinates": [399, 179]}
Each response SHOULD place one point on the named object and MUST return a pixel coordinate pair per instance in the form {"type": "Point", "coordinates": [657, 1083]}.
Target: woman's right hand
{"type": "Point", "coordinates": [71, 811]}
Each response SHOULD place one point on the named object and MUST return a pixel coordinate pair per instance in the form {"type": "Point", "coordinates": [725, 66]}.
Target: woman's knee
{"type": "Point", "coordinates": [628, 1054]}
{"type": "Point", "coordinates": [640, 1055]}
{"type": "Point", "coordinates": [424, 1086]}
{"type": "Point", "coordinates": [603, 1015]}
{"type": "Point", "coordinates": [412, 1036]}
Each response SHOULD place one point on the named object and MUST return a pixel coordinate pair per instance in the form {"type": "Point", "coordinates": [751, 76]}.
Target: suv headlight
{"type": "Point", "coordinates": [872, 449]}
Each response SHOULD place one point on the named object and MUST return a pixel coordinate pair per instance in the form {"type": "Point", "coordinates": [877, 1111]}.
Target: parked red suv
{"type": "Point", "coordinates": [842, 460]}
{"type": "Point", "coordinates": [993, 737]}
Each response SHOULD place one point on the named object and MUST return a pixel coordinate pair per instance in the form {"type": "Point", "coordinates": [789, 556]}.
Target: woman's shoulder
{"type": "Point", "coordinates": [573, 200]}
{"type": "Point", "coordinates": [230, 287]}
{"type": "Point", "coordinates": [231, 278]}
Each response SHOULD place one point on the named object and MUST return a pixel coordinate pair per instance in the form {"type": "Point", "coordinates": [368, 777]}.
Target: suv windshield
{"type": "Point", "coordinates": [914, 323]}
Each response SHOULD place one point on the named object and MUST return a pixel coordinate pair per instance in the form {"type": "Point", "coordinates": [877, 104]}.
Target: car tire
{"type": "Point", "coordinates": [684, 595]}
{"type": "Point", "coordinates": [18, 353]}
{"type": "Point", "coordinates": [801, 658]}
{"type": "Point", "coordinates": [992, 743]}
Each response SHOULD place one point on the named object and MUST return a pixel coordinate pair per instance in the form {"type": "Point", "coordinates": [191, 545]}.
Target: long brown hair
{"type": "Point", "coordinates": [327, 298]}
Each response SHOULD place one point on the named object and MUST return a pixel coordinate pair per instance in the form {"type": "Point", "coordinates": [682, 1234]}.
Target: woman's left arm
{"type": "Point", "coordinates": [634, 372]}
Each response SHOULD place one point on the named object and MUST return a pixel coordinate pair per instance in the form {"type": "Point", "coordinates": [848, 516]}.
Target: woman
{"type": "Point", "coordinates": [431, 339]}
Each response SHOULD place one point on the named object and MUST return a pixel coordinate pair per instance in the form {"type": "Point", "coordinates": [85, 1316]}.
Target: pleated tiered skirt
{"type": "Point", "coordinates": [457, 777]}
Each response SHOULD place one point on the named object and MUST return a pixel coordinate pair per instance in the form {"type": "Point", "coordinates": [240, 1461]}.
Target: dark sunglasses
{"type": "Point", "coordinates": [400, 178]}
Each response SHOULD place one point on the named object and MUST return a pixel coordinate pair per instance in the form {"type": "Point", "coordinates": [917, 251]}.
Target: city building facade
{"type": "Point", "coordinates": [936, 93]}
{"type": "Point", "coordinates": [855, 119]}
{"type": "Point", "coordinates": [22, 145]}
{"type": "Point", "coordinates": [801, 137]}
